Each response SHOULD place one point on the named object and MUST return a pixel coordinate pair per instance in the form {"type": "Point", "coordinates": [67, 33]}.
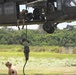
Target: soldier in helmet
{"type": "Point", "coordinates": [26, 51]}
{"type": "Point", "coordinates": [22, 18]}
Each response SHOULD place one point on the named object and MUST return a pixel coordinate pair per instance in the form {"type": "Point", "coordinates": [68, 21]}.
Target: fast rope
{"type": "Point", "coordinates": [25, 57]}
{"type": "Point", "coordinates": [26, 23]}
{"type": "Point", "coordinates": [24, 67]}
{"type": "Point", "coordinates": [26, 54]}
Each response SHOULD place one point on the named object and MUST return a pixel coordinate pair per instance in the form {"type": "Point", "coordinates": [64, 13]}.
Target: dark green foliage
{"type": "Point", "coordinates": [37, 38]}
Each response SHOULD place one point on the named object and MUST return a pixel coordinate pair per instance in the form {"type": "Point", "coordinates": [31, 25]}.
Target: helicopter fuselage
{"type": "Point", "coordinates": [46, 12]}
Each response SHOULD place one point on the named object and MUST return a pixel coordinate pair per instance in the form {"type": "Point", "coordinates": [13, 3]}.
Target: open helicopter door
{"type": "Point", "coordinates": [8, 13]}
{"type": "Point", "coordinates": [69, 7]}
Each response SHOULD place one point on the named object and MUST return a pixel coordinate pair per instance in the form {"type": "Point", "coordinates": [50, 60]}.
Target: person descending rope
{"type": "Point", "coordinates": [25, 43]}
{"type": "Point", "coordinates": [26, 51]}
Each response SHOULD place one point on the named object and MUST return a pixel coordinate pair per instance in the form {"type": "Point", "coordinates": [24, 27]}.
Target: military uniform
{"type": "Point", "coordinates": [25, 43]}
{"type": "Point", "coordinates": [22, 18]}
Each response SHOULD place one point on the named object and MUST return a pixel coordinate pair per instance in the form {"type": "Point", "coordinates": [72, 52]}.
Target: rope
{"type": "Point", "coordinates": [24, 67]}
{"type": "Point", "coordinates": [26, 31]}
{"type": "Point", "coordinates": [26, 24]}
{"type": "Point", "coordinates": [26, 38]}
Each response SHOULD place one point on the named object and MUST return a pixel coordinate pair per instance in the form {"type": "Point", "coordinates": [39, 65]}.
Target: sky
{"type": "Point", "coordinates": [64, 24]}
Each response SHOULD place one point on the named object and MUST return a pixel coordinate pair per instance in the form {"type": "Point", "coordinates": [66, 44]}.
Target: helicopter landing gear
{"type": "Point", "coordinates": [49, 27]}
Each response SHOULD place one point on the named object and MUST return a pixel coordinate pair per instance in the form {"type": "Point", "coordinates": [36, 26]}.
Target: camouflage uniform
{"type": "Point", "coordinates": [22, 18]}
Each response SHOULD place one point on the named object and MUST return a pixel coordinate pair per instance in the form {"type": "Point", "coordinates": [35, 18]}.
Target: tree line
{"type": "Point", "coordinates": [39, 37]}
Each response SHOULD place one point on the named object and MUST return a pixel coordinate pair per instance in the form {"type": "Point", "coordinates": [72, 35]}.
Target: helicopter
{"type": "Point", "coordinates": [47, 12]}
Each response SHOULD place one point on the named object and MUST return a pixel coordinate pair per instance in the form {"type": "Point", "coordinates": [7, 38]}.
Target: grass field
{"type": "Point", "coordinates": [40, 63]}
{"type": "Point", "coordinates": [42, 60]}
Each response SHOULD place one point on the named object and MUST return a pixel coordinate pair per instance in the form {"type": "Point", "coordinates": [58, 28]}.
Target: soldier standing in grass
{"type": "Point", "coordinates": [12, 69]}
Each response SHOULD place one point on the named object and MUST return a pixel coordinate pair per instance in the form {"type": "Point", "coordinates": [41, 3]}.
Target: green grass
{"type": "Point", "coordinates": [11, 54]}
{"type": "Point", "coordinates": [38, 55]}
{"type": "Point", "coordinates": [19, 48]}
{"type": "Point", "coordinates": [10, 48]}
{"type": "Point", "coordinates": [39, 62]}
{"type": "Point", "coordinates": [52, 55]}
